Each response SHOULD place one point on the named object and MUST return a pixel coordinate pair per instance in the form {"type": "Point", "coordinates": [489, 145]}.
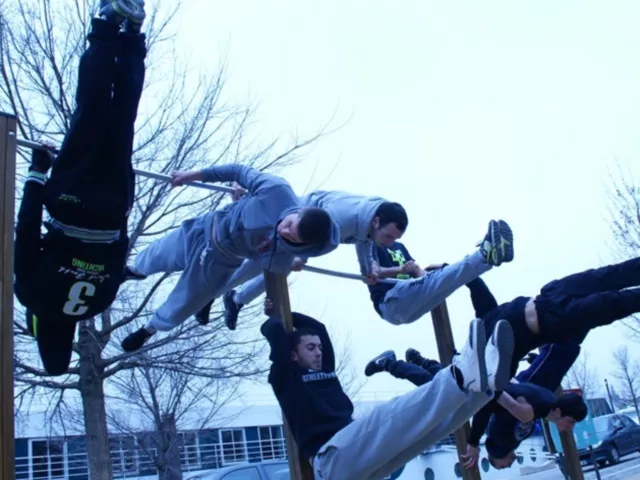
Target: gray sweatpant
{"type": "Point", "coordinates": [205, 272]}
{"type": "Point", "coordinates": [379, 443]}
{"type": "Point", "coordinates": [249, 290]}
{"type": "Point", "coordinates": [409, 300]}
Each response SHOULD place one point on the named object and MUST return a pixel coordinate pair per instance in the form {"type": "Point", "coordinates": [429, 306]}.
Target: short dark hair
{"type": "Point", "coordinates": [315, 226]}
{"type": "Point", "coordinates": [295, 337]}
{"type": "Point", "coordinates": [572, 405]}
{"type": "Point", "coordinates": [392, 212]}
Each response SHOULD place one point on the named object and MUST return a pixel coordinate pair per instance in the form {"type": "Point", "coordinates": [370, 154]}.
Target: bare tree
{"type": "Point", "coordinates": [627, 372]}
{"type": "Point", "coordinates": [581, 375]}
{"type": "Point", "coordinates": [183, 124]}
{"type": "Point", "coordinates": [624, 211]}
{"type": "Point", "coordinates": [158, 401]}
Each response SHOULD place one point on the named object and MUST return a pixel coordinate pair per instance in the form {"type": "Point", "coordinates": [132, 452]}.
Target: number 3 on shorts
{"type": "Point", "coordinates": [78, 293]}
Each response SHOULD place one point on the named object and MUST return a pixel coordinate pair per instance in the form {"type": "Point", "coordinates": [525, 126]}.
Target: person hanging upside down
{"type": "Point", "coordinates": [73, 272]}
{"type": "Point", "coordinates": [268, 226]}
{"type": "Point", "coordinates": [364, 221]}
{"type": "Point", "coordinates": [512, 413]}
{"type": "Point", "coordinates": [320, 415]}
{"type": "Point", "coordinates": [418, 290]}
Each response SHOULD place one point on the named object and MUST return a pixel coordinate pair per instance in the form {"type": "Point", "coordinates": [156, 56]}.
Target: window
{"type": "Point", "coordinates": [48, 459]}
{"type": "Point", "coordinates": [124, 455]}
{"type": "Point", "coordinates": [189, 451]}
{"type": "Point", "coordinates": [272, 446]}
{"type": "Point", "coordinates": [243, 474]}
{"type": "Point", "coordinates": [233, 446]}
{"type": "Point", "coordinates": [626, 421]}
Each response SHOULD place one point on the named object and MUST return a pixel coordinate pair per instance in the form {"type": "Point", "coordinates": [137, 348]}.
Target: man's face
{"type": "Point", "coordinates": [386, 235]}
{"type": "Point", "coordinates": [308, 353]}
{"type": "Point", "coordinates": [288, 228]}
{"type": "Point", "coordinates": [502, 463]}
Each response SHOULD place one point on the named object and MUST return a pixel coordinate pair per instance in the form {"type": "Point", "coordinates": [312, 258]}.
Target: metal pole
{"type": "Point", "coordinates": [444, 339]}
{"type": "Point", "coordinates": [278, 292]}
{"type": "Point", "coordinates": [8, 174]}
{"type": "Point", "coordinates": [142, 173]}
{"type": "Point", "coordinates": [613, 407]}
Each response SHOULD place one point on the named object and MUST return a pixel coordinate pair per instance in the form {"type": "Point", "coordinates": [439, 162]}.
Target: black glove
{"type": "Point", "coordinates": [41, 160]}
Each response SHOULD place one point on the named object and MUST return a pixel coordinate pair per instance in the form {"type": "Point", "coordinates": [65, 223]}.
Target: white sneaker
{"type": "Point", "coordinates": [498, 356]}
{"type": "Point", "coordinates": [471, 360]}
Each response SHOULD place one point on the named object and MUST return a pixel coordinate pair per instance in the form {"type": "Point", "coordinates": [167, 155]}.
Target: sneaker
{"type": "Point", "coordinates": [132, 25]}
{"type": "Point", "coordinates": [231, 310]}
{"type": "Point", "coordinates": [498, 356]}
{"type": "Point", "coordinates": [413, 356]}
{"type": "Point", "coordinates": [497, 245]}
{"type": "Point", "coordinates": [471, 361]}
{"type": "Point", "coordinates": [136, 340]}
{"type": "Point", "coordinates": [202, 316]}
{"type": "Point", "coordinates": [117, 11]}
{"type": "Point", "coordinates": [129, 274]}
{"type": "Point", "coordinates": [379, 364]}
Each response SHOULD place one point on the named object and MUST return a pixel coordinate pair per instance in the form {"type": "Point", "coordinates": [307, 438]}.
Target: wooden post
{"type": "Point", "coordinates": [572, 466]}
{"type": "Point", "coordinates": [444, 339]}
{"type": "Point", "coordinates": [278, 292]}
{"type": "Point", "coordinates": [7, 184]}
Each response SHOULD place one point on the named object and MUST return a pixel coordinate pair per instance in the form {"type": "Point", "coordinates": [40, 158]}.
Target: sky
{"type": "Point", "coordinates": [462, 112]}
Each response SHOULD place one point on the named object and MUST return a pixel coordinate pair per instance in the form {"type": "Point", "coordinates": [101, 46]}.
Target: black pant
{"type": "Point", "coordinates": [572, 306]}
{"type": "Point", "coordinates": [92, 180]}
{"type": "Point", "coordinates": [418, 375]}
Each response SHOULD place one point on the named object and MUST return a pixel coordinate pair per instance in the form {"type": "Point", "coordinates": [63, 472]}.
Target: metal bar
{"type": "Point", "coordinates": [8, 178]}
{"type": "Point", "coordinates": [350, 276]}
{"type": "Point", "coordinates": [444, 340]}
{"type": "Point", "coordinates": [278, 293]}
{"type": "Point", "coordinates": [142, 173]}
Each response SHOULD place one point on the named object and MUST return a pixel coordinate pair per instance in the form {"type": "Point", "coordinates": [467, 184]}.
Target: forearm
{"type": "Point", "coordinates": [364, 251]}
{"type": "Point", "coordinates": [28, 228]}
{"type": "Point", "coordinates": [478, 426]}
{"type": "Point", "coordinates": [275, 334]}
{"type": "Point", "coordinates": [390, 272]}
{"type": "Point", "coordinates": [521, 411]}
{"type": "Point", "coordinates": [248, 178]}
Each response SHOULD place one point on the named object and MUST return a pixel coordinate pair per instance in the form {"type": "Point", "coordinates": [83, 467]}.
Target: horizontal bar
{"type": "Point", "coordinates": [351, 276]}
{"type": "Point", "coordinates": [142, 173]}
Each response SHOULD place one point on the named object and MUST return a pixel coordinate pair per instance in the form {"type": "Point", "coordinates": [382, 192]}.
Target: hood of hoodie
{"type": "Point", "coordinates": [352, 213]}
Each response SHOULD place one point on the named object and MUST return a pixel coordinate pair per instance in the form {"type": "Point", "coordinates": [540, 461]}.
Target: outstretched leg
{"type": "Point", "coordinates": [387, 362]}
{"type": "Point", "coordinates": [482, 299]}
{"type": "Point", "coordinates": [611, 277]}
{"type": "Point", "coordinates": [562, 322]}
{"type": "Point", "coordinates": [550, 365]}
{"type": "Point", "coordinates": [407, 301]}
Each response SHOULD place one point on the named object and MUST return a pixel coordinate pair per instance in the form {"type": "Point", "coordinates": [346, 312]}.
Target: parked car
{"type": "Point", "coordinates": [267, 470]}
{"type": "Point", "coordinates": [618, 435]}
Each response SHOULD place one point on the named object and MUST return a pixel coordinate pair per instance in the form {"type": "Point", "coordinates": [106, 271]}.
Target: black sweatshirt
{"type": "Point", "coordinates": [58, 276]}
{"type": "Point", "coordinates": [313, 403]}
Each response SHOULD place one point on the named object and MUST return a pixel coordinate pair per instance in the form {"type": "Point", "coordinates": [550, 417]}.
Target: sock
{"type": "Point", "coordinates": [150, 328]}
{"type": "Point", "coordinates": [457, 374]}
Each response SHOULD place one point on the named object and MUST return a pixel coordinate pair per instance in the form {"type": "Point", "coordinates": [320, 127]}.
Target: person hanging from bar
{"type": "Point", "coordinates": [364, 221]}
{"type": "Point", "coordinates": [73, 271]}
{"type": "Point", "coordinates": [374, 445]}
{"type": "Point", "coordinates": [421, 290]}
{"type": "Point", "coordinates": [268, 226]}
{"type": "Point", "coordinates": [511, 415]}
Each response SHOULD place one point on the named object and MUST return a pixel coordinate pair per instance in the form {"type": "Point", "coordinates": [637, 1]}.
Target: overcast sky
{"type": "Point", "coordinates": [460, 111]}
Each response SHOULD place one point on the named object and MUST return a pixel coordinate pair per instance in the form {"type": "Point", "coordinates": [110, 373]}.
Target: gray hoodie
{"type": "Point", "coordinates": [354, 214]}
{"type": "Point", "coordinates": [247, 228]}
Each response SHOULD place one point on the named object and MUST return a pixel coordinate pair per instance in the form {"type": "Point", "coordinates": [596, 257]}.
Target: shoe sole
{"type": "Point", "coordinates": [503, 341]}
{"type": "Point", "coordinates": [129, 9]}
{"type": "Point", "coordinates": [478, 343]}
{"type": "Point", "coordinates": [228, 302]}
{"type": "Point", "coordinates": [506, 243]}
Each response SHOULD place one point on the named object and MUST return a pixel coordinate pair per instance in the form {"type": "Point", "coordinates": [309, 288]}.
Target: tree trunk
{"type": "Point", "coordinates": [93, 403]}
{"type": "Point", "coordinates": [170, 467]}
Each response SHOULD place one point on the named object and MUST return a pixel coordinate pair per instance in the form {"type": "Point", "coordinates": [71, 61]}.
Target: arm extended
{"type": "Point", "coordinates": [479, 424]}
{"type": "Point", "coordinates": [249, 178]}
{"type": "Point", "coordinates": [28, 228]}
{"type": "Point", "coordinates": [273, 330]}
